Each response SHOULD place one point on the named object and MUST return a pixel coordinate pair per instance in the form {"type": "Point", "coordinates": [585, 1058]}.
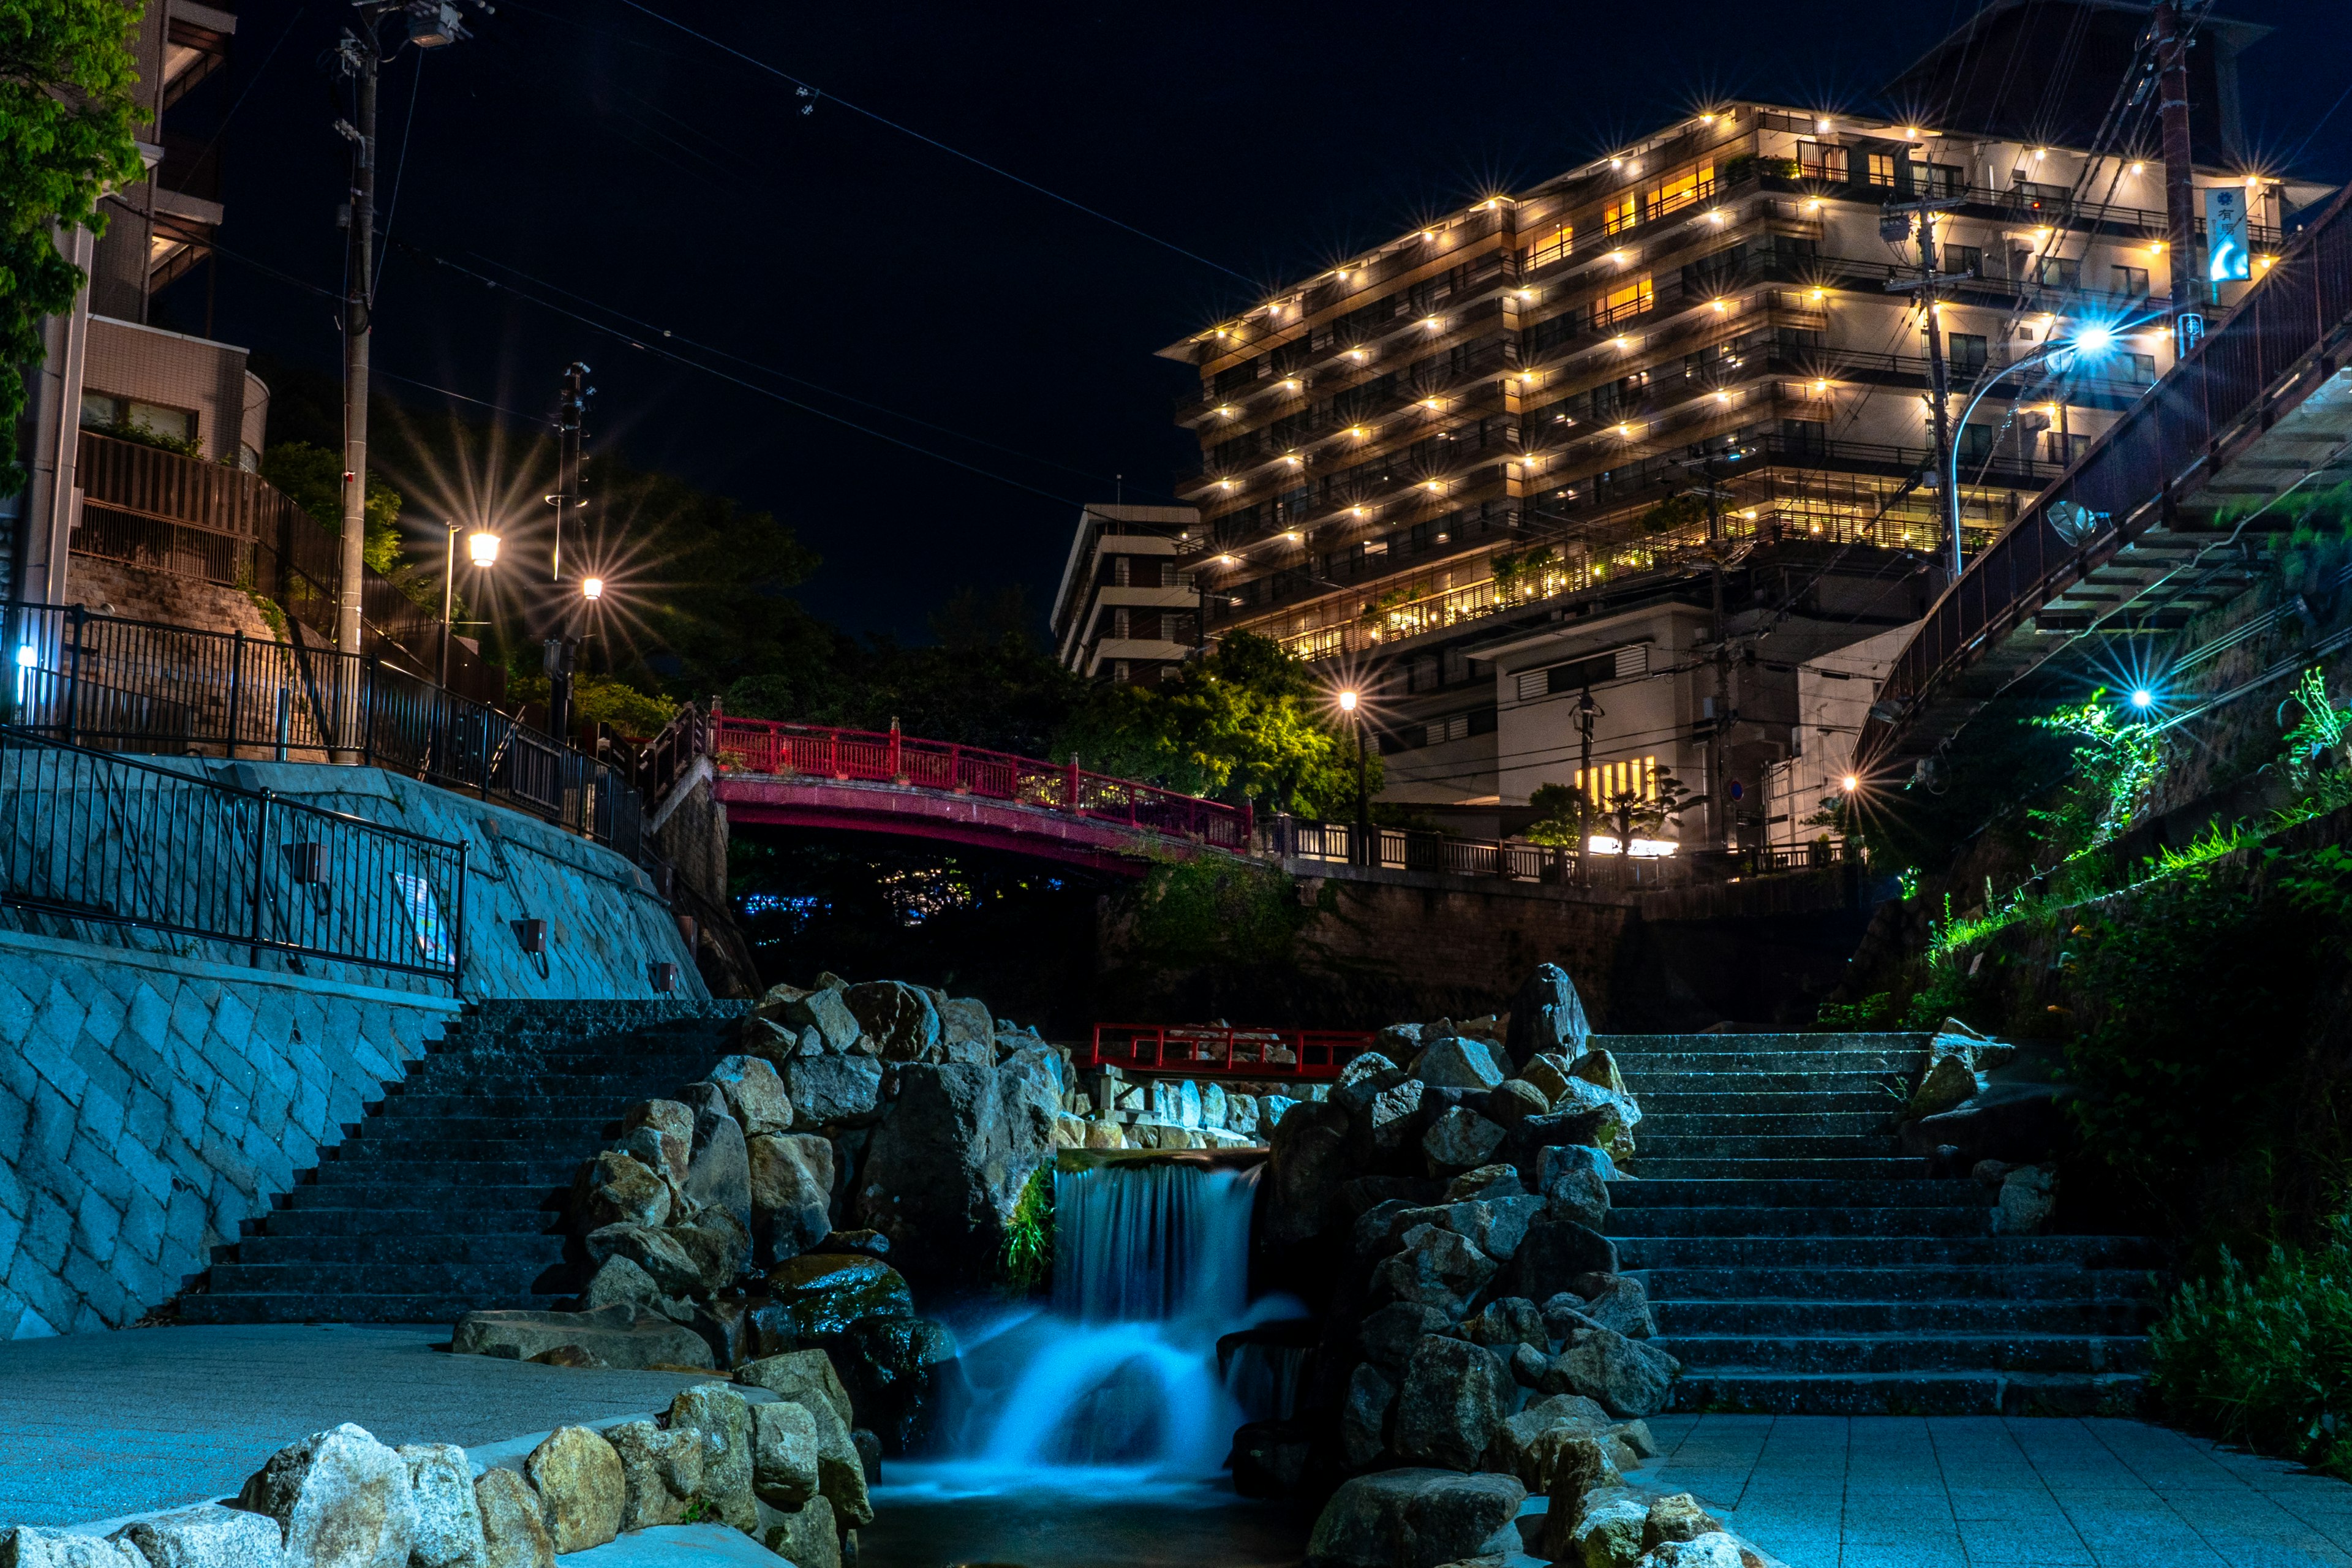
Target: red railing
{"type": "Point", "coordinates": [1191, 1048]}
{"type": "Point", "coordinates": [763, 746]}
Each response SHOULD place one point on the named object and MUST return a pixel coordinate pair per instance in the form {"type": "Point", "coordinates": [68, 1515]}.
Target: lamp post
{"type": "Point", "coordinates": [2094, 340]}
{"type": "Point", "coordinates": [482, 550]}
{"type": "Point", "coordinates": [1348, 705]}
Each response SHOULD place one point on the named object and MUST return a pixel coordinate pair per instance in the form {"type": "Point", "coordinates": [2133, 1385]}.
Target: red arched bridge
{"type": "Point", "coordinates": [806, 775]}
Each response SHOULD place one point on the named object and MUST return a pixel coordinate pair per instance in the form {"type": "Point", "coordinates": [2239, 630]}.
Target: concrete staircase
{"type": "Point", "coordinates": [449, 1196]}
{"type": "Point", "coordinates": [1797, 1262]}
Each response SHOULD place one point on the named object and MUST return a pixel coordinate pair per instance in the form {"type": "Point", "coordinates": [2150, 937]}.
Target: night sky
{"type": "Point", "coordinates": [617, 160]}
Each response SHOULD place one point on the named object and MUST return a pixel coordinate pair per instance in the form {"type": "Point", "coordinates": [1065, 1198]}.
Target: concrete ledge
{"type": "Point", "coordinates": [226, 973]}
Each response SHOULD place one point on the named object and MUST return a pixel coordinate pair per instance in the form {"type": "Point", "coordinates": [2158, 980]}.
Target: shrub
{"type": "Point", "coordinates": [2265, 1358]}
{"type": "Point", "coordinates": [1029, 1237]}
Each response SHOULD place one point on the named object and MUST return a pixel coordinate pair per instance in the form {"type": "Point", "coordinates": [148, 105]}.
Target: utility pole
{"type": "Point", "coordinates": [1895, 224]}
{"type": "Point", "coordinates": [1718, 796]}
{"type": "Point", "coordinates": [2180, 187]}
{"type": "Point", "coordinates": [431, 24]}
{"type": "Point", "coordinates": [561, 648]}
{"type": "Point", "coordinates": [1587, 713]}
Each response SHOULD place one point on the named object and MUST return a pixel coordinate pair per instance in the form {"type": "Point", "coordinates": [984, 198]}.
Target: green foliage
{"type": "Point", "coordinates": [1640, 813]}
{"type": "Point", "coordinates": [1028, 1260]}
{"type": "Point", "coordinates": [1249, 721]}
{"type": "Point", "coordinates": [2314, 753]}
{"type": "Point", "coordinates": [1198, 910]}
{"type": "Point", "coordinates": [1559, 816]}
{"type": "Point", "coordinates": [2265, 1358]}
{"type": "Point", "coordinates": [1672, 514]}
{"type": "Point", "coordinates": [602, 700]}
{"type": "Point", "coordinates": [697, 1509]}
{"type": "Point", "coordinates": [1873, 1012]}
{"type": "Point", "coordinates": [1525, 566]}
{"type": "Point", "coordinates": [139, 434]}
{"type": "Point", "coordinates": [66, 82]}
{"type": "Point", "coordinates": [2116, 763]}
{"type": "Point", "coordinates": [311, 477]}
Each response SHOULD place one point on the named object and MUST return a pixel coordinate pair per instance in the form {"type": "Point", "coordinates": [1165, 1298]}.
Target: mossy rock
{"type": "Point", "coordinates": [824, 1292]}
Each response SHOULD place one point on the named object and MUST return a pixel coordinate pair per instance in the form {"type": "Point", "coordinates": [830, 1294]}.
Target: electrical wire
{"type": "Point", "coordinates": [821, 96]}
{"type": "Point", "coordinates": [399, 172]}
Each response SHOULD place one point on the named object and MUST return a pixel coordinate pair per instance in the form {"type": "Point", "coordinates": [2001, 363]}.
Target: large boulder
{"type": "Point", "coordinates": [670, 1124]}
{"type": "Point", "coordinates": [1506, 1321]}
{"type": "Point", "coordinates": [28, 1546]}
{"type": "Point", "coordinates": [755, 1095]}
{"type": "Point", "coordinates": [1460, 1139]}
{"type": "Point", "coordinates": [1547, 1016]}
{"type": "Point", "coordinates": [719, 1170]}
{"type": "Point", "coordinates": [1458, 1063]}
{"type": "Point", "coordinates": [1621, 1303]}
{"type": "Point", "coordinates": [1574, 1181]}
{"type": "Point", "coordinates": [897, 1017]}
{"type": "Point", "coordinates": [343, 1500]}
{"type": "Point", "coordinates": [578, 1477]}
{"type": "Point", "coordinates": [716, 1246]}
{"type": "Point", "coordinates": [615, 1189]}
{"type": "Point", "coordinates": [448, 1532]}
{"type": "Point", "coordinates": [893, 1366]}
{"type": "Point", "coordinates": [792, 1193]}
{"type": "Point", "coordinates": [1306, 1163]}
{"type": "Point", "coordinates": [1525, 1444]}
{"type": "Point", "coordinates": [1554, 1253]}
{"type": "Point", "coordinates": [206, 1535]}
{"type": "Point", "coordinates": [823, 1293]}
{"type": "Point", "coordinates": [1437, 1268]}
{"type": "Point", "coordinates": [947, 1166]}
{"type": "Point", "coordinates": [800, 1376]}
{"type": "Point", "coordinates": [724, 1418]}
{"type": "Point", "coordinates": [660, 1470]}
{"type": "Point", "coordinates": [1416, 1519]}
{"type": "Point", "coordinates": [807, 1538]}
{"type": "Point", "coordinates": [1628, 1377]}
{"type": "Point", "coordinates": [514, 1525]}
{"type": "Point", "coordinates": [833, 1091]}
{"type": "Point", "coordinates": [783, 1454]}
{"type": "Point", "coordinates": [822, 1010]}
{"type": "Point", "coordinates": [1454, 1397]}
{"type": "Point", "coordinates": [1609, 1532]}
{"type": "Point", "coordinates": [658, 1253]}
{"type": "Point", "coordinates": [806, 1378]}
{"type": "Point", "coordinates": [1391, 1335]}
{"type": "Point", "coordinates": [1579, 1465]}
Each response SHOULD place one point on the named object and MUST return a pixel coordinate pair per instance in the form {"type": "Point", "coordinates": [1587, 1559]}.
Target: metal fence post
{"type": "Point", "coordinates": [457, 935]}
{"type": "Point", "coordinates": [367, 672]}
{"type": "Point", "coordinates": [73, 677]}
{"type": "Point", "coordinates": [235, 687]}
{"type": "Point", "coordinates": [260, 874]}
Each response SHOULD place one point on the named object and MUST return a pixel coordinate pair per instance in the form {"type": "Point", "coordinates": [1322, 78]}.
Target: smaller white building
{"type": "Point", "coordinates": [1834, 691]}
{"type": "Point", "coordinates": [1124, 611]}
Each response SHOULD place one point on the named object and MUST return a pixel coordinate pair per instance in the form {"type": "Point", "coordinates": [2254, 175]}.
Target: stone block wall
{"type": "Point", "coordinates": [150, 1102]}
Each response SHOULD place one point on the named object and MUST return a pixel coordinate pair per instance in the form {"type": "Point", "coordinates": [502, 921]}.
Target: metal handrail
{"type": "Point", "coordinates": [88, 836]}
{"type": "Point", "coordinates": [1215, 1050]}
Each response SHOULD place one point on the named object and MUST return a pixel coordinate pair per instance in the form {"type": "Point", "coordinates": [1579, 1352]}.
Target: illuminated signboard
{"type": "Point", "coordinates": [2227, 260]}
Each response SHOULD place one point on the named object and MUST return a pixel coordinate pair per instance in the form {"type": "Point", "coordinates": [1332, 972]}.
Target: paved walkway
{"type": "Point", "coordinates": [1949, 1492]}
{"type": "Point", "coordinates": [97, 1426]}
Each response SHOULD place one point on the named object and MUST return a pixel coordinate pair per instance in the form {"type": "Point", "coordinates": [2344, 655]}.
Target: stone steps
{"type": "Point", "coordinates": [1798, 1263]}
{"type": "Point", "coordinates": [449, 1196]}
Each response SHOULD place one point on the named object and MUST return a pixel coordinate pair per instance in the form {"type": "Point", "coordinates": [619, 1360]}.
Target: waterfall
{"type": "Point", "coordinates": [1150, 1266]}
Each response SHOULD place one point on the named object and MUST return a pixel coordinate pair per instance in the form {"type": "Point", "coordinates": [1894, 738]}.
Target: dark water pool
{"type": "Point", "coordinates": [935, 1517]}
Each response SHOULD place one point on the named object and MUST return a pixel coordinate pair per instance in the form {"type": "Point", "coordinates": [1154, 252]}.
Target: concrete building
{"type": "Point", "coordinates": [1426, 464]}
{"type": "Point", "coordinates": [1127, 609]}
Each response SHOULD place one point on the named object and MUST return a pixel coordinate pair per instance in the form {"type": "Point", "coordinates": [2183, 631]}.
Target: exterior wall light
{"type": "Point", "coordinates": [661, 975]}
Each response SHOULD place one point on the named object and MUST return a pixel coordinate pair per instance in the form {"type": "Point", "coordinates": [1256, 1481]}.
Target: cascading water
{"type": "Point", "coordinates": [1150, 1266]}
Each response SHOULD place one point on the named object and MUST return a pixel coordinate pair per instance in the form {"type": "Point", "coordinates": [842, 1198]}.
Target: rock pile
{"type": "Point", "coordinates": [784, 1471]}
{"type": "Point", "coordinates": [1111, 1112]}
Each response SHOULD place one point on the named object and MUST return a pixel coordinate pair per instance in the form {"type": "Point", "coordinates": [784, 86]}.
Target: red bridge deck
{"type": "Point", "coordinates": [1197, 1050]}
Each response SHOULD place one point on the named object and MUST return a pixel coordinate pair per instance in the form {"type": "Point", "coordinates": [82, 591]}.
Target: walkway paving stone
{"type": "Point", "coordinates": [1965, 1491]}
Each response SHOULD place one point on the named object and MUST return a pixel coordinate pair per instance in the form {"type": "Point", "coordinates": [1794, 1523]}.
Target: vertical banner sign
{"type": "Point", "coordinates": [2227, 260]}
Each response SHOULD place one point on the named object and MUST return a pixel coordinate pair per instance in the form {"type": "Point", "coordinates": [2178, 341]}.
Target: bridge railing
{"type": "Point", "coordinates": [1193, 1049]}
{"type": "Point", "coordinates": [886, 756]}
{"type": "Point", "coordinates": [2158, 443]}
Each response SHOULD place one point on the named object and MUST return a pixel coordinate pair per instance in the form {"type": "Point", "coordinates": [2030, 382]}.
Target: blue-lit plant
{"type": "Point", "coordinates": [2117, 761]}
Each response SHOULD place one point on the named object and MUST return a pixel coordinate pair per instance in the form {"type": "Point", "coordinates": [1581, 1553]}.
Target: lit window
{"type": "Point", "coordinates": [1623, 213]}
{"type": "Point", "coordinates": [1819, 160]}
{"type": "Point", "coordinates": [1553, 247]}
{"type": "Point", "coordinates": [1879, 169]}
{"type": "Point", "coordinates": [1680, 192]}
{"type": "Point", "coordinates": [1621, 304]}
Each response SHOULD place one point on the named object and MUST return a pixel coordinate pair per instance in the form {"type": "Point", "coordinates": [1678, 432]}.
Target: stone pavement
{"type": "Point", "coordinates": [95, 1426]}
{"type": "Point", "coordinates": [1967, 1491]}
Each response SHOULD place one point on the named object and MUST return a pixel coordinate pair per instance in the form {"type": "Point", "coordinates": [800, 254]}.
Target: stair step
{"type": "Point", "coordinates": [1761, 1392]}
{"type": "Point", "coordinates": [1810, 1315]}
{"type": "Point", "coordinates": [1709, 1085]}
{"type": "Point", "coordinates": [1827, 1168]}
{"type": "Point", "coordinates": [1847, 1354]}
{"type": "Point", "coordinates": [1881, 1251]}
{"type": "Point", "coordinates": [510, 1248]}
{"type": "Point", "coordinates": [1664, 1146]}
{"type": "Point", "coordinates": [429, 1173]}
{"type": "Point", "coordinates": [519, 1199]}
{"type": "Point", "coordinates": [1822, 1042]}
{"type": "Point", "coordinates": [1654, 1063]}
{"type": "Point", "coordinates": [1876, 1123]}
{"type": "Point", "coordinates": [424, 1145]}
{"type": "Point", "coordinates": [353, 1307]}
{"type": "Point", "coordinates": [1631, 1221]}
{"type": "Point", "coordinates": [339, 1218]}
{"type": "Point", "coordinates": [478, 1279]}
{"type": "Point", "coordinates": [1673, 1105]}
{"type": "Point", "coordinates": [1797, 1191]}
{"type": "Point", "coordinates": [1918, 1282]}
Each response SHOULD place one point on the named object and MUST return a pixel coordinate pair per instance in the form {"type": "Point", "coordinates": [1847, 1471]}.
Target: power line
{"type": "Point", "coordinates": [817, 95]}
{"type": "Point", "coordinates": [399, 173]}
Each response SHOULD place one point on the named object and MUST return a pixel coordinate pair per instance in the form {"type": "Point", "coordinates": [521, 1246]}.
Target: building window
{"type": "Point", "coordinates": [1623, 213]}
{"type": "Point", "coordinates": [1553, 247]}
{"type": "Point", "coordinates": [1976, 443]}
{"type": "Point", "coordinates": [1634, 775]}
{"type": "Point", "coordinates": [1621, 304]}
{"type": "Point", "coordinates": [2059, 272]}
{"type": "Point", "coordinates": [1965, 260]}
{"type": "Point", "coordinates": [1965, 352]}
{"type": "Point", "coordinates": [1818, 162]}
{"type": "Point", "coordinates": [2131, 282]}
{"type": "Point", "coordinates": [1682, 190]}
{"type": "Point", "coordinates": [1879, 169]}
{"type": "Point", "coordinates": [2140, 368]}
{"type": "Point", "coordinates": [105, 411]}
{"type": "Point", "coordinates": [2065, 446]}
{"type": "Point", "coordinates": [1937, 179]}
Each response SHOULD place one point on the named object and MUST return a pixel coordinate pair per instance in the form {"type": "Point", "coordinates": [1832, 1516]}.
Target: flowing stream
{"type": "Point", "coordinates": [1097, 1429]}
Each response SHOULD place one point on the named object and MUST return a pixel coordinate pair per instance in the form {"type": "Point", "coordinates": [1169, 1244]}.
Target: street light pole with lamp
{"type": "Point", "coordinates": [1362, 843]}
{"type": "Point", "coordinates": [482, 550]}
{"type": "Point", "coordinates": [2093, 341]}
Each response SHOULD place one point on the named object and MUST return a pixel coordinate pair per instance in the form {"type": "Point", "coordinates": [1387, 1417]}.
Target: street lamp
{"type": "Point", "coordinates": [2095, 341]}
{"type": "Point", "coordinates": [482, 548]}
{"type": "Point", "coordinates": [482, 545]}
{"type": "Point", "coordinates": [1348, 705]}
{"type": "Point", "coordinates": [592, 588]}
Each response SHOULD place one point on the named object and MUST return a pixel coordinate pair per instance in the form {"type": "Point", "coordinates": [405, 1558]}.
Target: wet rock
{"type": "Point", "coordinates": [966, 1019]}
{"type": "Point", "coordinates": [1629, 1377]}
{"type": "Point", "coordinates": [1304, 1167]}
{"type": "Point", "coordinates": [724, 1419]}
{"type": "Point", "coordinates": [1608, 1535]}
{"type": "Point", "coordinates": [1578, 1464]}
{"type": "Point", "coordinates": [755, 1095]}
{"type": "Point", "coordinates": [25, 1546]}
{"type": "Point", "coordinates": [1554, 1252]}
{"type": "Point", "coordinates": [448, 1532]}
{"type": "Point", "coordinates": [783, 1454]}
{"type": "Point", "coordinates": [833, 1091]}
{"type": "Point", "coordinates": [578, 1477]}
{"type": "Point", "coordinates": [1677, 1517]}
{"type": "Point", "coordinates": [1452, 1400]}
{"type": "Point", "coordinates": [620, 1283]}
{"type": "Point", "coordinates": [1507, 1321]}
{"type": "Point", "coordinates": [1547, 1016]}
{"type": "Point", "coordinates": [822, 1010]}
{"type": "Point", "coordinates": [1528, 1365]}
{"type": "Point", "coordinates": [824, 1293]}
{"type": "Point", "coordinates": [1458, 1063]}
{"type": "Point", "coordinates": [841, 1473]}
{"type": "Point", "coordinates": [1574, 1181]}
{"type": "Point", "coordinates": [1947, 1082]}
{"type": "Point", "coordinates": [655, 1252]}
{"type": "Point", "coordinates": [1513, 1100]}
{"type": "Point", "coordinates": [898, 1018]}
{"type": "Point", "coordinates": [1524, 1445]}
{"type": "Point", "coordinates": [1437, 1268]}
{"type": "Point", "coordinates": [1415, 1519]}
{"type": "Point", "coordinates": [792, 1192]}
{"type": "Point", "coordinates": [616, 1189]}
{"type": "Point", "coordinates": [808, 1538]}
{"type": "Point", "coordinates": [894, 1368]}
{"type": "Point", "coordinates": [514, 1526]}
{"type": "Point", "coordinates": [341, 1497]}
{"type": "Point", "coordinates": [206, 1536]}
{"type": "Point", "coordinates": [1600, 1067]}
{"type": "Point", "coordinates": [1364, 1416]}
{"type": "Point", "coordinates": [659, 1472]}
{"type": "Point", "coordinates": [1460, 1139]}
{"type": "Point", "coordinates": [800, 1376]}
{"type": "Point", "coordinates": [1602, 1127]}
{"type": "Point", "coordinates": [1390, 1335]}
{"type": "Point", "coordinates": [946, 1167]}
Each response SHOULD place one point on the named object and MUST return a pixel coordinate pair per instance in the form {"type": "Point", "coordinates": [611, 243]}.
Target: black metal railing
{"type": "Point", "coordinates": [86, 835]}
{"type": "Point", "coordinates": [122, 685]}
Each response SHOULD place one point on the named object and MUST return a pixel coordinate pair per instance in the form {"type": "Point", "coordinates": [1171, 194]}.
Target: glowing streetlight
{"type": "Point", "coordinates": [592, 588]}
{"type": "Point", "coordinates": [482, 547]}
{"type": "Point", "coordinates": [1850, 784]}
{"type": "Point", "coordinates": [2142, 697]}
{"type": "Point", "coordinates": [1347, 702]}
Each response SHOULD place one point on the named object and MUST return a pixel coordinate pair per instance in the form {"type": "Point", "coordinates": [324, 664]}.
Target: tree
{"type": "Point", "coordinates": [1640, 813]}
{"type": "Point", "coordinates": [1559, 819]}
{"type": "Point", "coordinates": [311, 477]}
{"type": "Point", "coordinates": [67, 72]}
